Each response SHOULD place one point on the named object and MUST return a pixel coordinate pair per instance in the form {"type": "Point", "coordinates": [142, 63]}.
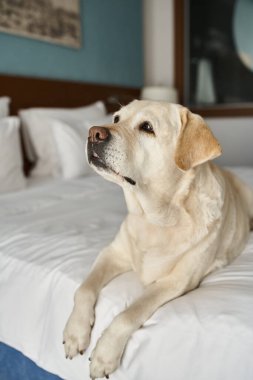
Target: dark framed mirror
{"type": "Point", "coordinates": [214, 56]}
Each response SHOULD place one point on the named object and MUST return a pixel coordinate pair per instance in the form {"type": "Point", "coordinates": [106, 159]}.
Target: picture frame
{"type": "Point", "coordinates": [53, 21]}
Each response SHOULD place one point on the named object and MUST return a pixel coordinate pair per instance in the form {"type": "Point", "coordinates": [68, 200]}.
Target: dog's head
{"type": "Point", "coordinates": [150, 141]}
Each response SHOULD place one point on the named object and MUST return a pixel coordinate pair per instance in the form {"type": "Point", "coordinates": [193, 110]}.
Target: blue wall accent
{"type": "Point", "coordinates": [111, 49]}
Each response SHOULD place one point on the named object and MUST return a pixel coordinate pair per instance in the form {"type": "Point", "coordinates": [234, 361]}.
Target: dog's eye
{"type": "Point", "coordinates": [146, 127]}
{"type": "Point", "coordinates": [116, 119]}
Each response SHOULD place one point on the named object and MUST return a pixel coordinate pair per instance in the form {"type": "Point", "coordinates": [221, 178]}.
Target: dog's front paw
{"type": "Point", "coordinates": [76, 335]}
{"type": "Point", "coordinates": [106, 356]}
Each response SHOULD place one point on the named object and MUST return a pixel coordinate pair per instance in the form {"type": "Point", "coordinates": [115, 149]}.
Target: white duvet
{"type": "Point", "coordinates": [50, 235]}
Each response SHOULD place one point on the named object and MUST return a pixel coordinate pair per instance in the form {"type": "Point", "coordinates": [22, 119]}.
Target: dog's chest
{"type": "Point", "coordinates": [155, 250]}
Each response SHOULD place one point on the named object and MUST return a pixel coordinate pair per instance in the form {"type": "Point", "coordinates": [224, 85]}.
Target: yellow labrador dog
{"type": "Point", "coordinates": [186, 218]}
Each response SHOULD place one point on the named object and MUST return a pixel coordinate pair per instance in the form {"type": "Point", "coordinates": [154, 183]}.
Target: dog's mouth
{"type": "Point", "coordinates": [95, 159]}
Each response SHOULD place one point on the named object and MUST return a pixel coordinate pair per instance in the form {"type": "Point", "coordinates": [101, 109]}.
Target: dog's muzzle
{"type": "Point", "coordinates": [98, 138]}
{"type": "Point", "coordinates": [97, 141]}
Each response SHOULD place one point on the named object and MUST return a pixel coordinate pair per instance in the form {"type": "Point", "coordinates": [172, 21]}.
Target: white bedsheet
{"type": "Point", "coordinates": [49, 237]}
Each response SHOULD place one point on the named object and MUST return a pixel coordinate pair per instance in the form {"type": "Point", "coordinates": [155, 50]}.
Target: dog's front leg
{"type": "Point", "coordinates": [76, 335]}
{"type": "Point", "coordinates": [107, 354]}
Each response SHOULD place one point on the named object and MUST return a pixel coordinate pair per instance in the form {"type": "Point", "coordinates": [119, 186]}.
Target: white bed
{"type": "Point", "coordinates": [50, 236]}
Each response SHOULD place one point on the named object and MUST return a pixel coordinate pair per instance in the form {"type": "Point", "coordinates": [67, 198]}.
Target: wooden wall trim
{"type": "Point", "coordinates": [224, 111]}
{"type": "Point", "coordinates": [179, 48]}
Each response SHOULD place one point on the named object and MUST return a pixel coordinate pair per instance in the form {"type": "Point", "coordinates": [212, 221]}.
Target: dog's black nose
{"type": "Point", "coordinates": [98, 134]}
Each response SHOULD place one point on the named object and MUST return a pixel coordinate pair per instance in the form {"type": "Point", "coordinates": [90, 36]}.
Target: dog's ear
{"type": "Point", "coordinates": [196, 143]}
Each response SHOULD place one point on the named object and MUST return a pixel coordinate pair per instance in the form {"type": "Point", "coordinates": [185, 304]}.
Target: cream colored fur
{"type": "Point", "coordinates": [187, 217]}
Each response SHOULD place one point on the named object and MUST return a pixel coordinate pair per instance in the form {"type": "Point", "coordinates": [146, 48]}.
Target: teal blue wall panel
{"type": "Point", "coordinates": [111, 49]}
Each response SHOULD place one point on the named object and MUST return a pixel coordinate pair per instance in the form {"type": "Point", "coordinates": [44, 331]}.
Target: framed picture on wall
{"type": "Point", "coordinates": [55, 21]}
{"type": "Point", "coordinates": [214, 55]}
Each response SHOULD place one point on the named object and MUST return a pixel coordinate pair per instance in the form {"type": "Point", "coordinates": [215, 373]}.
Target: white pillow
{"type": "Point", "coordinates": [11, 170]}
{"type": "Point", "coordinates": [107, 119]}
{"type": "Point", "coordinates": [71, 144]}
{"type": "Point", "coordinates": [38, 136]}
{"type": "Point", "coordinates": [4, 106]}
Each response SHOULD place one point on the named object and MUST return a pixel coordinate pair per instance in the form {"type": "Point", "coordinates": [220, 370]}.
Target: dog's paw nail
{"type": "Point", "coordinates": [66, 356]}
{"type": "Point", "coordinates": [81, 352]}
{"type": "Point", "coordinates": [107, 376]}
{"type": "Point", "coordinates": [63, 342]}
{"type": "Point", "coordinates": [89, 359]}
